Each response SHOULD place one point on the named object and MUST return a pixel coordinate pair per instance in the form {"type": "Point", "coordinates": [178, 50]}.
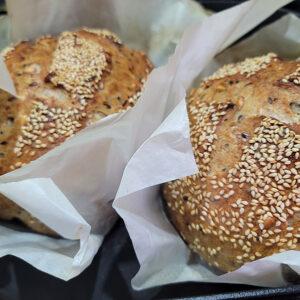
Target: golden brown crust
{"type": "Point", "coordinates": [244, 203]}
{"type": "Point", "coordinates": [59, 96]}
{"type": "Point", "coordinates": [9, 210]}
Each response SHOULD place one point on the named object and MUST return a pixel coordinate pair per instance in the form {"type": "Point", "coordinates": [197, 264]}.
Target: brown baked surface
{"type": "Point", "coordinates": [64, 83]}
{"type": "Point", "coordinates": [244, 203]}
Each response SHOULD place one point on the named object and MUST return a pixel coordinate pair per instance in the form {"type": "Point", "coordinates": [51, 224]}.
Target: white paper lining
{"type": "Point", "coordinates": [163, 256]}
{"type": "Point", "coordinates": [71, 187]}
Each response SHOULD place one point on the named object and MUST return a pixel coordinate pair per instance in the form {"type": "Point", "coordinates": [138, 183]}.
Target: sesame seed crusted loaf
{"type": "Point", "coordinates": [244, 203]}
{"type": "Point", "coordinates": [64, 84]}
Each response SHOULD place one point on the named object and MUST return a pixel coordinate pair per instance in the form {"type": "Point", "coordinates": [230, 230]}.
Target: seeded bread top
{"type": "Point", "coordinates": [64, 83]}
{"type": "Point", "coordinates": [245, 130]}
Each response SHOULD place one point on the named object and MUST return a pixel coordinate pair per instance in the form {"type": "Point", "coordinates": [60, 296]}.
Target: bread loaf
{"type": "Point", "coordinates": [244, 203]}
{"type": "Point", "coordinates": [64, 84]}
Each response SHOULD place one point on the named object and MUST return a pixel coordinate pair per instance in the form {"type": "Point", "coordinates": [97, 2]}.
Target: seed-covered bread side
{"type": "Point", "coordinates": [244, 203]}
{"type": "Point", "coordinates": [64, 84]}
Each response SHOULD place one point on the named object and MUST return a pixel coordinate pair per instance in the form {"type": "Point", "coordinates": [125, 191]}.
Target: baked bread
{"type": "Point", "coordinates": [64, 84]}
{"type": "Point", "coordinates": [244, 204]}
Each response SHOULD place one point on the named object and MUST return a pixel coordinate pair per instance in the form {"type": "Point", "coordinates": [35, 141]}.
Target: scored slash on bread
{"type": "Point", "coordinates": [63, 84]}
{"type": "Point", "coordinates": [244, 203]}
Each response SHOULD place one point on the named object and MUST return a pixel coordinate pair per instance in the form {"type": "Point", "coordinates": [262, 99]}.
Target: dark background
{"type": "Point", "coordinates": [115, 264]}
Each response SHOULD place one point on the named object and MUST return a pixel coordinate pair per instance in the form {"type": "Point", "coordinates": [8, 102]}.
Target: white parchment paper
{"type": "Point", "coordinates": [71, 188]}
{"type": "Point", "coordinates": [281, 37]}
{"type": "Point", "coordinates": [4, 30]}
{"type": "Point", "coordinates": [163, 256]}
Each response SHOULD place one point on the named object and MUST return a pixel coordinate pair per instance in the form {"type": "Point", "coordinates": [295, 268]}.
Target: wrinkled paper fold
{"type": "Point", "coordinates": [163, 256]}
{"type": "Point", "coordinates": [71, 187]}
